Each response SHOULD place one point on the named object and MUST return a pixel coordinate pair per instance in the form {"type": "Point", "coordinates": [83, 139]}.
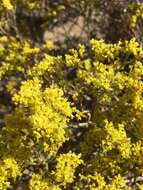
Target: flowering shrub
{"type": "Point", "coordinates": [72, 120]}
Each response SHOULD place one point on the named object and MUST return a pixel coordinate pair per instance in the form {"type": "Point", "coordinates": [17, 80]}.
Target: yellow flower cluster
{"type": "Point", "coordinates": [78, 119]}
{"type": "Point", "coordinates": [97, 182]}
{"type": "Point", "coordinates": [39, 183]}
{"type": "Point", "coordinates": [65, 168]}
{"type": "Point", "coordinates": [8, 169]}
{"type": "Point", "coordinates": [7, 4]}
{"type": "Point", "coordinates": [136, 10]}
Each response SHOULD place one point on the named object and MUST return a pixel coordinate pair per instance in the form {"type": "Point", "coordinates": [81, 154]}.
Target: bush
{"type": "Point", "coordinates": [70, 120]}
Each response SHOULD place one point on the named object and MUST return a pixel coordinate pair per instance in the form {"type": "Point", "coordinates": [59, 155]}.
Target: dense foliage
{"type": "Point", "coordinates": [70, 119]}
